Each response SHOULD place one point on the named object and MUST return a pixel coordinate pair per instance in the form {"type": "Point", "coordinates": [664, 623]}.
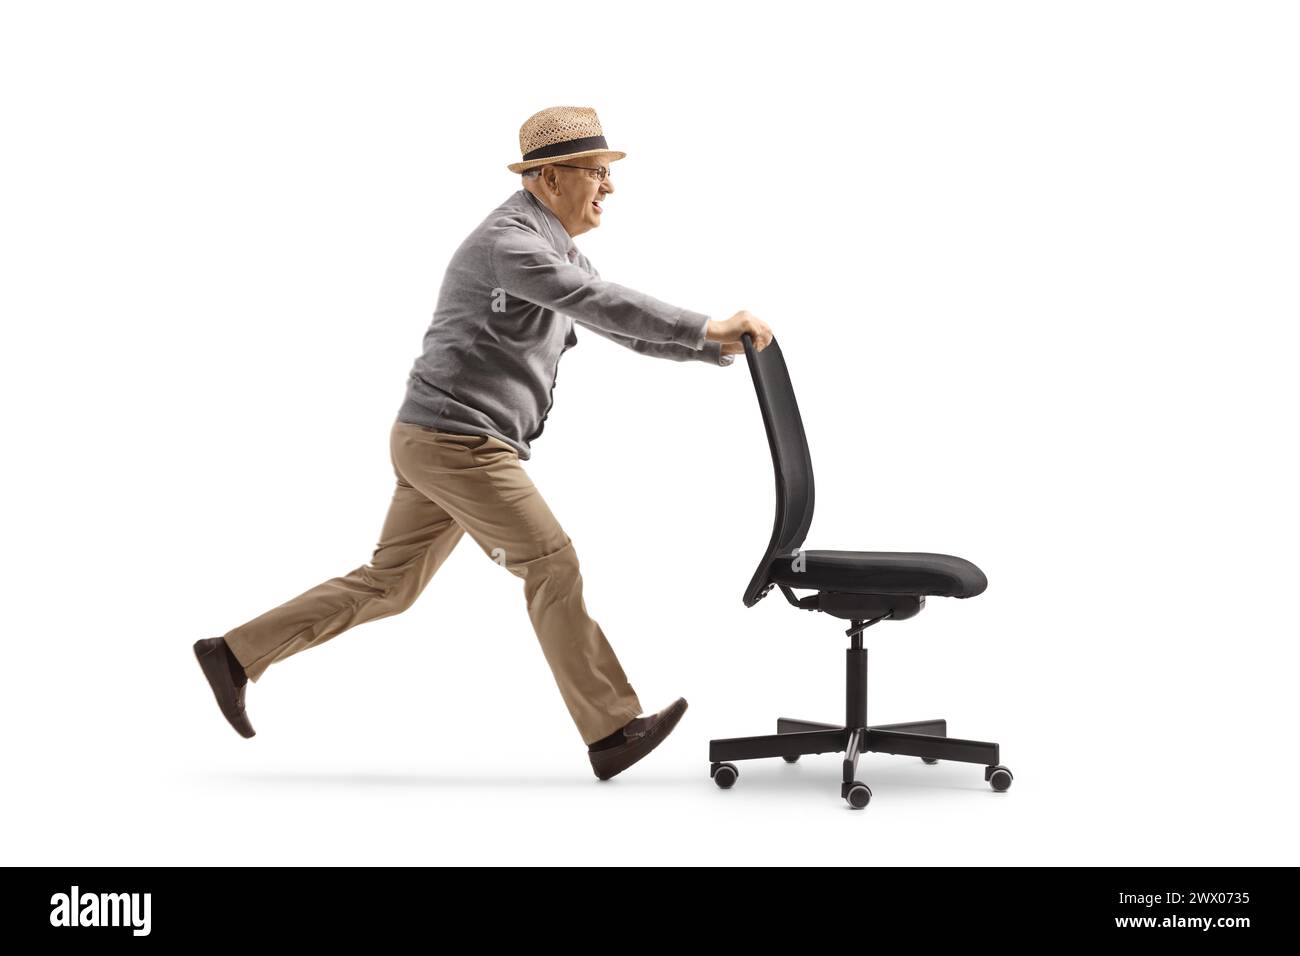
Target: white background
{"type": "Point", "coordinates": [1032, 265]}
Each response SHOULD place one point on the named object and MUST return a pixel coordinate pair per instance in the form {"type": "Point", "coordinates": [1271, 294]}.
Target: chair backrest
{"type": "Point", "coordinates": [790, 459]}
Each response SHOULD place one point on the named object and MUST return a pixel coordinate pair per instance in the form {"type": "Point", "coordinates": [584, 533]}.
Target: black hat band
{"type": "Point", "coordinates": [568, 146]}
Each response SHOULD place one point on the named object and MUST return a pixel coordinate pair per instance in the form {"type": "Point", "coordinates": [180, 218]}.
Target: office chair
{"type": "Point", "coordinates": [863, 587]}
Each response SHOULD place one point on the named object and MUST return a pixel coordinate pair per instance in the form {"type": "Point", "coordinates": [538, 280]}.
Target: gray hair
{"type": "Point", "coordinates": [531, 173]}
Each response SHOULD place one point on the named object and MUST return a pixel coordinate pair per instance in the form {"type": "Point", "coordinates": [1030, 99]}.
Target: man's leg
{"type": "Point", "coordinates": [480, 482]}
{"type": "Point", "coordinates": [416, 538]}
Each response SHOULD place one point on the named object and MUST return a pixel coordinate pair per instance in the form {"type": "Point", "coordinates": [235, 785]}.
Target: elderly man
{"type": "Point", "coordinates": [476, 399]}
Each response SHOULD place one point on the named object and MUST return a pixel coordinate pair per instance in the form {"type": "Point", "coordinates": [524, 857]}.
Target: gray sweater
{"type": "Point", "coordinates": [507, 307]}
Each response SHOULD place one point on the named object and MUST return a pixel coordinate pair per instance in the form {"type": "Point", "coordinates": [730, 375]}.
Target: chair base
{"type": "Point", "coordinates": [927, 739]}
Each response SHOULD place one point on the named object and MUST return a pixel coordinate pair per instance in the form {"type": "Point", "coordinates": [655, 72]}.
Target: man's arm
{"type": "Point", "coordinates": [711, 352]}
{"type": "Point", "coordinates": [525, 265]}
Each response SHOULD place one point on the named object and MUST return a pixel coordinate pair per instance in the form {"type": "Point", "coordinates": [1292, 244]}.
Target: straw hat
{"type": "Point", "coordinates": [561, 132]}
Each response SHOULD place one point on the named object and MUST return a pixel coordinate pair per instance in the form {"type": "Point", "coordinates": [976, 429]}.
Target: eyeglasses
{"type": "Point", "coordinates": [602, 172]}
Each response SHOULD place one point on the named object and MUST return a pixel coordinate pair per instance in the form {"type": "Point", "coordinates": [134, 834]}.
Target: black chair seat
{"type": "Point", "coordinates": [880, 572]}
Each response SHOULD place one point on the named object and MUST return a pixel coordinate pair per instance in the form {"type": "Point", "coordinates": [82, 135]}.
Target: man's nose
{"type": "Point", "coordinates": [608, 185]}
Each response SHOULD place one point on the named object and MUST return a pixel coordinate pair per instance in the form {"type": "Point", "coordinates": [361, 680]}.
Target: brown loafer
{"type": "Point", "coordinates": [217, 661]}
{"type": "Point", "coordinates": [643, 735]}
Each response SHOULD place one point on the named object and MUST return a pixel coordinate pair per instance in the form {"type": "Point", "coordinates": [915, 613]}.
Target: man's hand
{"type": "Point", "coordinates": [729, 331]}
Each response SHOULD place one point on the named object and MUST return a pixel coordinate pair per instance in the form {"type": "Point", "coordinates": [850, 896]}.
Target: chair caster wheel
{"type": "Point", "coordinates": [930, 760]}
{"type": "Point", "coordinates": [999, 778]}
{"type": "Point", "coordinates": [724, 774]}
{"type": "Point", "coordinates": [788, 759]}
{"type": "Point", "coordinates": [859, 795]}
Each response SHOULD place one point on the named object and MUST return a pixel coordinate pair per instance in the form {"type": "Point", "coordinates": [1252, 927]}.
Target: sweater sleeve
{"type": "Point", "coordinates": [525, 265]}
{"type": "Point", "coordinates": [710, 352]}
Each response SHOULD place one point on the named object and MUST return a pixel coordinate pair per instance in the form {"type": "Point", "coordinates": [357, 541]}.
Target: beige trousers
{"type": "Point", "coordinates": [448, 484]}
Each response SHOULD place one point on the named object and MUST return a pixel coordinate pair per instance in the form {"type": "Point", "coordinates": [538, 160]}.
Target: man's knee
{"type": "Point", "coordinates": [558, 569]}
{"type": "Point", "coordinates": [393, 590]}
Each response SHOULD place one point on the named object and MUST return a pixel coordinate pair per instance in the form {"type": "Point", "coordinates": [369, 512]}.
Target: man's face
{"type": "Point", "coordinates": [575, 195]}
